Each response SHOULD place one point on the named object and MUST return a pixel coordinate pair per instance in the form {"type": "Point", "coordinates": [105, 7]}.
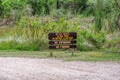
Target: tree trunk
{"type": "Point", "coordinates": [118, 18]}
{"type": "Point", "coordinates": [118, 21]}
{"type": "Point", "coordinates": [58, 4]}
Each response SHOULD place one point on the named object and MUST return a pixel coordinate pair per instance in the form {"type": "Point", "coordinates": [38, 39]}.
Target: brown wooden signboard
{"type": "Point", "coordinates": [64, 40]}
{"type": "Point", "coordinates": [62, 46]}
{"type": "Point", "coordinates": [62, 36]}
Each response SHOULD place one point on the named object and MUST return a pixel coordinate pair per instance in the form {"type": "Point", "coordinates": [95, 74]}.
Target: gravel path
{"type": "Point", "coordinates": [51, 69]}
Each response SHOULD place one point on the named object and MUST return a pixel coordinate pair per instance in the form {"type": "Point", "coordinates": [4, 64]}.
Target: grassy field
{"type": "Point", "coordinates": [64, 55]}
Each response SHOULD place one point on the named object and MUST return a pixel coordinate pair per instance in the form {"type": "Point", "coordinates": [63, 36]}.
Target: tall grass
{"type": "Point", "coordinates": [106, 13]}
{"type": "Point", "coordinates": [99, 15]}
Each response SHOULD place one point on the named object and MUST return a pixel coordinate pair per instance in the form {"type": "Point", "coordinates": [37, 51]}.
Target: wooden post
{"type": "Point", "coordinates": [51, 53]}
{"type": "Point", "coordinates": [72, 51]}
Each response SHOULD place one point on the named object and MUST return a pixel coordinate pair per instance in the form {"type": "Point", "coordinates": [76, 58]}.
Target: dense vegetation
{"type": "Point", "coordinates": [29, 22]}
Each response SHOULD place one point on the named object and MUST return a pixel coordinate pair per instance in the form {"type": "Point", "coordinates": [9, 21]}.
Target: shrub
{"type": "Point", "coordinates": [27, 47]}
{"type": "Point", "coordinates": [80, 40]}
{"type": "Point", "coordinates": [7, 45]}
{"type": "Point", "coordinates": [13, 45]}
{"type": "Point", "coordinates": [95, 39]}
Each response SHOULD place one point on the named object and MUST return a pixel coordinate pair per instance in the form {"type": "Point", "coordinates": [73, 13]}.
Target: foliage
{"type": "Point", "coordinates": [99, 15]}
{"type": "Point", "coordinates": [8, 6]}
{"type": "Point", "coordinates": [34, 19]}
{"type": "Point", "coordinates": [106, 12]}
{"type": "Point", "coordinates": [13, 45]}
{"type": "Point", "coordinates": [41, 7]}
{"type": "Point", "coordinates": [114, 42]}
{"type": "Point", "coordinates": [96, 39]}
{"type": "Point", "coordinates": [5, 7]}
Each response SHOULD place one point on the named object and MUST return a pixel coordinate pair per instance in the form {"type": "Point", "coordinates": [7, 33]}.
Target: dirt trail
{"type": "Point", "coordinates": [51, 69]}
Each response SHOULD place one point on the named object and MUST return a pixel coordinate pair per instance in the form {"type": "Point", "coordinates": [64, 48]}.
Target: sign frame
{"type": "Point", "coordinates": [62, 40]}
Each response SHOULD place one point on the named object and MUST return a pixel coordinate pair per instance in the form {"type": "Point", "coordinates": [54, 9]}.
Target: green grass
{"type": "Point", "coordinates": [4, 31]}
{"type": "Point", "coordinates": [64, 55]}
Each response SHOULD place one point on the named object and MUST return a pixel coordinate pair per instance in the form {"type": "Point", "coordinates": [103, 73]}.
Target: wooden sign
{"type": "Point", "coordinates": [62, 36]}
{"type": "Point", "coordinates": [62, 40]}
{"type": "Point", "coordinates": [62, 46]}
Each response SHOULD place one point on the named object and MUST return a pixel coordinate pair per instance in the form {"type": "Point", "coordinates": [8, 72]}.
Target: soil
{"type": "Point", "coordinates": [51, 69]}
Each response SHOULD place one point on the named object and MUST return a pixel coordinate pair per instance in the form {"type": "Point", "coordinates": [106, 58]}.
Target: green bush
{"type": "Point", "coordinates": [95, 39]}
{"type": "Point", "coordinates": [7, 45]}
{"type": "Point", "coordinates": [13, 45]}
{"type": "Point", "coordinates": [80, 40]}
{"type": "Point", "coordinates": [27, 47]}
